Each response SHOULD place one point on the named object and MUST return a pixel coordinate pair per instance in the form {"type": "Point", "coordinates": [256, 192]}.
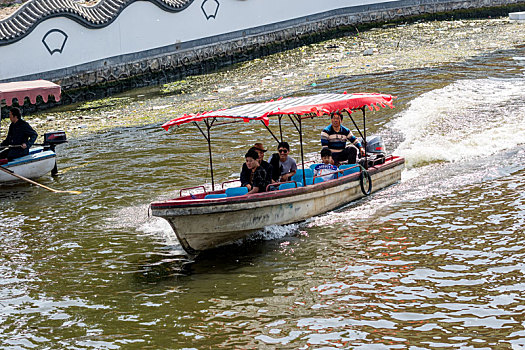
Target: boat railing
{"type": "Point", "coordinates": [228, 182]}
{"type": "Point", "coordinates": [339, 173]}
{"type": "Point", "coordinates": [314, 181]}
{"type": "Point", "coordinates": [347, 170]}
{"type": "Point", "coordinates": [281, 183]}
{"type": "Point", "coordinates": [192, 188]}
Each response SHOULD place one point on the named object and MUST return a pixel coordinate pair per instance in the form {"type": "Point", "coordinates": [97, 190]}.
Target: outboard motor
{"type": "Point", "coordinates": [375, 145]}
{"type": "Point", "coordinates": [51, 139]}
{"type": "Point", "coordinates": [375, 149]}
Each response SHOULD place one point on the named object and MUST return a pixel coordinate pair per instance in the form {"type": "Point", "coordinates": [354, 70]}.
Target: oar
{"type": "Point", "coordinates": [10, 146]}
{"type": "Point", "coordinates": [10, 172]}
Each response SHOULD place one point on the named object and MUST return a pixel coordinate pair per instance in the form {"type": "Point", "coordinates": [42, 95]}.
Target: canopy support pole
{"type": "Point", "coordinates": [355, 124]}
{"type": "Point", "coordinates": [207, 136]}
{"type": "Point", "coordinates": [364, 137]}
{"type": "Point", "coordinates": [208, 125]}
{"type": "Point", "coordinates": [270, 131]}
{"type": "Point", "coordinates": [298, 118]}
{"type": "Point", "coordinates": [300, 130]}
{"type": "Point", "coordinates": [280, 127]}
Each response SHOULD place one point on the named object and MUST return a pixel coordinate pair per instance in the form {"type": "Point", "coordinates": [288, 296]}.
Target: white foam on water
{"type": "Point", "coordinates": [160, 228]}
{"type": "Point", "coordinates": [272, 232]}
{"type": "Point", "coordinates": [138, 217]}
{"type": "Point", "coordinates": [465, 133]}
{"type": "Point", "coordinates": [468, 118]}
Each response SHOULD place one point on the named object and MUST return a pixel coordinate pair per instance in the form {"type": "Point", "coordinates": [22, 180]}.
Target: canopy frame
{"type": "Point", "coordinates": [296, 120]}
{"type": "Point", "coordinates": [271, 133]}
{"type": "Point", "coordinates": [363, 134]}
{"type": "Point", "coordinates": [207, 136]}
{"type": "Point", "coordinates": [299, 128]}
{"type": "Point", "coordinates": [295, 115]}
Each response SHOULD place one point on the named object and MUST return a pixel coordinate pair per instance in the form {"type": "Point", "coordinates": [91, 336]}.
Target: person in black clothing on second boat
{"type": "Point", "coordinates": [259, 148]}
{"type": "Point", "coordinates": [20, 134]}
{"type": "Point", "coordinates": [253, 175]}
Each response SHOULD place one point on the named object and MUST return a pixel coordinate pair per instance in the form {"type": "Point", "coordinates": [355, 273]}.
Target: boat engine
{"type": "Point", "coordinates": [53, 138]}
{"type": "Point", "coordinates": [375, 149]}
{"type": "Point", "coordinates": [375, 145]}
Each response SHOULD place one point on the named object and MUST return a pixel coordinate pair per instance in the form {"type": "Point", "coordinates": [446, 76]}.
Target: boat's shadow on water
{"type": "Point", "coordinates": [160, 267]}
{"type": "Point", "coordinates": [180, 265]}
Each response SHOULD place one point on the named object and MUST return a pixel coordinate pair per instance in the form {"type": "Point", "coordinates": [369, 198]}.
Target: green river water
{"type": "Point", "coordinates": [435, 261]}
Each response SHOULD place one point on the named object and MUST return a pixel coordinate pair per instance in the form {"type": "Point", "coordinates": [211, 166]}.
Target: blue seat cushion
{"type": "Point", "coordinates": [309, 181]}
{"type": "Point", "coordinates": [215, 195]}
{"type": "Point", "coordinates": [288, 185]}
{"type": "Point", "coordinates": [307, 172]}
{"type": "Point", "coordinates": [350, 169]}
{"type": "Point", "coordinates": [318, 179]}
{"type": "Point", "coordinates": [236, 191]}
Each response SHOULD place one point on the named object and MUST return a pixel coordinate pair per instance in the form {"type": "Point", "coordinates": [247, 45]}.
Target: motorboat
{"type": "Point", "coordinates": [216, 217]}
{"type": "Point", "coordinates": [41, 159]}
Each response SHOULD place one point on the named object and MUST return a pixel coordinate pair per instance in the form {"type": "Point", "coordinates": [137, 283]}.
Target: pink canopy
{"type": "Point", "coordinates": [22, 89]}
{"type": "Point", "coordinates": [317, 105]}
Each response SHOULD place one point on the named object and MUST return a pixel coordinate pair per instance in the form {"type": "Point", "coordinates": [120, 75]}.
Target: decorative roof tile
{"type": "Point", "coordinates": [25, 19]}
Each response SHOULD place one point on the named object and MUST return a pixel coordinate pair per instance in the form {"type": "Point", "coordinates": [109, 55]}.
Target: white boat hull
{"type": "Point", "coordinates": [202, 227]}
{"type": "Point", "coordinates": [31, 166]}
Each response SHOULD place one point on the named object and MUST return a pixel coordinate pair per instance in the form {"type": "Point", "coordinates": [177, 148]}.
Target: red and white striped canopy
{"type": "Point", "coordinates": [317, 105]}
{"type": "Point", "coordinates": [31, 89]}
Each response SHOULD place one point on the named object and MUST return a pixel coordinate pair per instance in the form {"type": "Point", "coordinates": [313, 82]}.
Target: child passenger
{"type": "Point", "coordinates": [326, 167]}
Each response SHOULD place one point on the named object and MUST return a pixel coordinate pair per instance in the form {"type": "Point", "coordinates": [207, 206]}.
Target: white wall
{"type": "Point", "coordinates": [142, 26]}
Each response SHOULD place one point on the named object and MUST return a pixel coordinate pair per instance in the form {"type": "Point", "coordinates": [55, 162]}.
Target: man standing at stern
{"type": "Point", "coordinates": [20, 137]}
{"type": "Point", "coordinates": [335, 136]}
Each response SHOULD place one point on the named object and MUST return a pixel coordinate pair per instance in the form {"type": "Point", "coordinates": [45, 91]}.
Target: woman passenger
{"type": "Point", "coordinates": [253, 176]}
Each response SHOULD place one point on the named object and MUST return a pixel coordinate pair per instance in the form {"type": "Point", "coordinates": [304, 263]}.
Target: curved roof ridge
{"type": "Point", "coordinates": [100, 15]}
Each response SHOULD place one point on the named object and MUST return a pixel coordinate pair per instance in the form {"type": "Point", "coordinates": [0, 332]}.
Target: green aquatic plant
{"type": "Point", "coordinates": [176, 87]}
{"type": "Point", "coordinates": [105, 102]}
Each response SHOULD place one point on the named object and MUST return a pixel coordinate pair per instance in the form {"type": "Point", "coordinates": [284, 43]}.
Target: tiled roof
{"type": "Point", "coordinates": [25, 19]}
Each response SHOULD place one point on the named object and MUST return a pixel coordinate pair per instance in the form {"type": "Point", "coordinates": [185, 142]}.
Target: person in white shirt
{"type": "Point", "coordinates": [326, 167]}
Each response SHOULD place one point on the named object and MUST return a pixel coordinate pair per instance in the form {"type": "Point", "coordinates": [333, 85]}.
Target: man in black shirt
{"type": "Point", "coordinates": [20, 134]}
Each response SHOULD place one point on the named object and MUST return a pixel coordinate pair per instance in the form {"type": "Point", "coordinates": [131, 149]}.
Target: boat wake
{"type": "Point", "coordinates": [157, 228]}
{"type": "Point", "coordinates": [168, 259]}
{"type": "Point", "coordinates": [463, 134]}
{"type": "Point", "coordinates": [160, 228]}
{"type": "Point", "coordinates": [466, 119]}
{"type": "Point", "coordinates": [274, 232]}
